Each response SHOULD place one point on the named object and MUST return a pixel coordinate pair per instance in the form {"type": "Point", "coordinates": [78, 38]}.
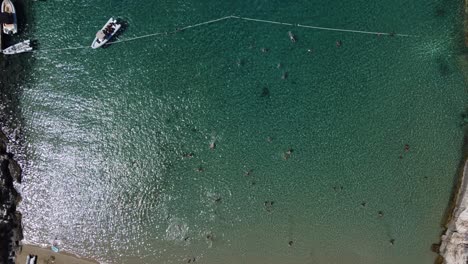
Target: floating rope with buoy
{"type": "Point", "coordinates": [392, 34]}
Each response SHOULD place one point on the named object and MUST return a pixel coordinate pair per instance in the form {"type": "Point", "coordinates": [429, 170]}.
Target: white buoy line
{"type": "Point", "coordinates": [239, 18]}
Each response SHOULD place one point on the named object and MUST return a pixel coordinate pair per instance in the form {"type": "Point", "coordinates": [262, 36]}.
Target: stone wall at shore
{"type": "Point", "coordinates": [10, 220]}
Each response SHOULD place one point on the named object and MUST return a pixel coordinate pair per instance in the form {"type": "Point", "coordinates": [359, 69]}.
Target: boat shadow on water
{"type": "Point", "coordinates": [124, 25]}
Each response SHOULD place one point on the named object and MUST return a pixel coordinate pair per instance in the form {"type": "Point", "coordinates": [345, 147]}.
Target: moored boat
{"type": "Point", "coordinates": [106, 33]}
{"type": "Point", "coordinates": [21, 47]}
{"type": "Point", "coordinates": [8, 8]}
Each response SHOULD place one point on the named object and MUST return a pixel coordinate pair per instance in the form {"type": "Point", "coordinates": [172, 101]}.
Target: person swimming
{"type": "Point", "coordinates": [292, 37]}
{"type": "Point", "coordinates": [213, 145]}
{"type": "Point", "coordinates": [188, 155]}
{"type": "Point", "coordinates": [268, 205]}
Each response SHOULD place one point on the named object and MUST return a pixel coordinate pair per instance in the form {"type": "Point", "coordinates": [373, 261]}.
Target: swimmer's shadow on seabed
{"type": "Point", "coordinates": [116, 36]}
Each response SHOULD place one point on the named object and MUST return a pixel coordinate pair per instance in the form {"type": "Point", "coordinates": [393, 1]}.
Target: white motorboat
{"type": "Point", "coordinates": [9, 8]}
{"type": "Point", "coordinates": [106, 33]}
{"type": "Point", "coordinates": [21, 47]}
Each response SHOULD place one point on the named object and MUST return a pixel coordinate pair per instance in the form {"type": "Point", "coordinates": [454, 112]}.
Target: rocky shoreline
{"type": "Point", "coordinates": [454, 243]}
{"type": "Point", "coordinates": [10, 220]}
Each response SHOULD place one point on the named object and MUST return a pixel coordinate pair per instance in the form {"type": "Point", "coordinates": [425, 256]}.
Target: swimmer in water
{"type": "Point", "coordinates": [212, 145]}
{"type": "Point", "coordinates": [188, 155]}
{"type": "Point", "coordinates": [268, 205]}
{"type": "Point", "coordinates": [287, 154]}
{"type": "Point", "coordinates": [292, 37]}
{"type": "Point", "coordinates": [339, 43]}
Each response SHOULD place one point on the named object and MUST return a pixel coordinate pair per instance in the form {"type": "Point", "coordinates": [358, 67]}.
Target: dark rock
{"type": "Point", "coordinates": [10, 220]}
{"type": "Point", "coordinates": [435, 248]}
{"type": "Point", "coordinates": [3, 138]}
{"type": "Point", "coordinates": [3, 147]}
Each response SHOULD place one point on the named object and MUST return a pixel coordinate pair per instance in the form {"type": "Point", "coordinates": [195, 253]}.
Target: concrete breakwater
{"type": "Point", "coordinates": [10, 219]}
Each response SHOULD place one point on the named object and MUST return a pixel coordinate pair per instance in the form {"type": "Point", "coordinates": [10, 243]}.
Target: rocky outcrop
{"type": "Point", "coordinates": [10, 220]}
{"type": "Point", "coordinates": [454, 246]}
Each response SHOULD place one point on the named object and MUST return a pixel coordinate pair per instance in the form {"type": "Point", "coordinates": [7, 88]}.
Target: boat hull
{"type": "Point", "coordinates": [97, 43]}
{"type": "Point", "coordinates": [21, 47]}
{"type": "Point", "coordinates": [8, 7]}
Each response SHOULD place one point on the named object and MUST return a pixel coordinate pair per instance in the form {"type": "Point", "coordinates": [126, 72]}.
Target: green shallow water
{"type": "Point", "coordinates": [106, 131]}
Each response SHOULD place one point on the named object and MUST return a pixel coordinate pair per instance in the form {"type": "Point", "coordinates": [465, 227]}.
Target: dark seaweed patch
{"type": "Point", "coordinates": [265, 92]}
{"type": "Point", "coordinates": [443, 67]}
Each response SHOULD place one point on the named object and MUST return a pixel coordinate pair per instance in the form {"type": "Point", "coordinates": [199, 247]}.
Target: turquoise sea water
{"type": "Point", "coordinates": [104, 131]}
